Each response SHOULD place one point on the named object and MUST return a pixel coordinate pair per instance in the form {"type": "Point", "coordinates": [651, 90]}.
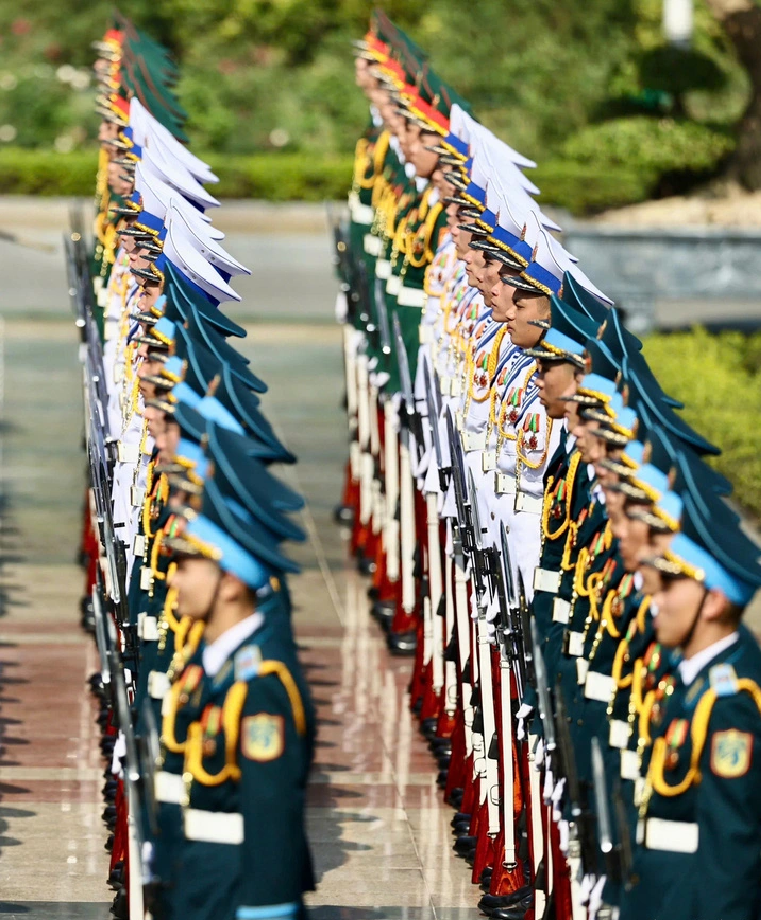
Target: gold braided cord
{"type": "Point", "coordinates": [547, 505]}
{"type": "Point", "coordinates": [168, 738]}
{"type": "Point", "coordinates": [231, 714]}
{"type": "Point", "coordinates": [699, 734]}
{"type": "Point", "coordinates": [491, 367]}
{"type": "Point", "coordinates": [536, 464]}
{"type": "Point", "coordinates": [297, 707]}
{"type": "Point", "coordinates": [361, 162]}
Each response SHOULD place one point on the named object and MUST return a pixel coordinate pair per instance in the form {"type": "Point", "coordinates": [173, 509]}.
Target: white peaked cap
{"type": "Point", "coordinates": [516, 203]}
{"type": "Point", "coordinates": [157, 195]}
{"type": "Point", "coordinates": [180, 251]}
{"type": "Point", "coordinates": [147, 132]}
{"type": "Point", "coordinates": [177, 175]}
{"type": "Point", "coordinates": [502, 164]}
{"type": "Point", "coordinates": [209, 249]}
{"type": "Point", "coordinates": [548, 253]}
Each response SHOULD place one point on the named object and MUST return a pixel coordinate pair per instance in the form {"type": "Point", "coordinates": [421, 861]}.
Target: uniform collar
{"type": "Point", "coordinates": [216, 654]}
{"type": "Point", "coordinates": [689, 668]}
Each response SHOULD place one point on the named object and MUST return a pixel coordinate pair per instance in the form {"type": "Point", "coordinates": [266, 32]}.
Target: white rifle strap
{"type": "Point", "coordinates": [507, 764]}
{"type": "Point", "coordinates": [407, 514]}
{"type": "Point", "coordinates": [435, 587]}
{"type": "Point", "coordinates": [391, 531]}
{"type": "Point", "coordinates": [490, 769]}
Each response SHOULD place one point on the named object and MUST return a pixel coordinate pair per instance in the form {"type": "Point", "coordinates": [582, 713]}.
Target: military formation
{"type": "Point", "coordinates": [207, 725]}
{"type": "Point", "coordinates": [546, 537]}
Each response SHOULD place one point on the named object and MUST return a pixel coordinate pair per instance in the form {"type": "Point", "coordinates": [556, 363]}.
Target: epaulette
{"type": "Point", "coordinates": [723, 680]}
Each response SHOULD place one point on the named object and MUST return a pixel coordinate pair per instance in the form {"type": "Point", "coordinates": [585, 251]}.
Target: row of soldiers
{"type": "Point", "coordinates": [544, 532]}
{"type": "Point", "coordinates": [208, 728]}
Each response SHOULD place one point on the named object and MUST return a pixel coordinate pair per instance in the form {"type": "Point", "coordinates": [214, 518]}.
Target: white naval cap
{"type": "Point", "coordinates": [148, 133]}
{"type": "Point", "coordinates": [180, 250]}
{"type": "Point", "coordinates": [157, 195]}
{"type": "Point", "coordinates": [206, 245]}
{"type": "Point", "coordinates": [177, 175]}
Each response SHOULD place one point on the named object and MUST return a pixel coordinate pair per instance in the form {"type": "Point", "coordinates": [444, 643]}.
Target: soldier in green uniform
{"type": "Point", "coordinates": [699, 833]}
{"type": "Point", "coordinates": [242, 852]}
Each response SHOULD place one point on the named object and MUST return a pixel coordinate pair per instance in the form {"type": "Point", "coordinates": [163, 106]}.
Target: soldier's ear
{"type": "Point", "coordinates": [717, 607]}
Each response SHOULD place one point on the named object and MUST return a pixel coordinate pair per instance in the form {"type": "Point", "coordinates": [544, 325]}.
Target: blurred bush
{"type": "Point", "coordinates": [718, 377]}
{"type": "Point", "coordinates": [303, 177]}
{"type": "Point", "coordinates": [277, 77]}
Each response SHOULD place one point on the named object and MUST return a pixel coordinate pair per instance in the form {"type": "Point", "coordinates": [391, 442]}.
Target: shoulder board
{"type": "Point", "coordinates": [723, 680]}
{"type": "Point", "coordinates": [247, 661]}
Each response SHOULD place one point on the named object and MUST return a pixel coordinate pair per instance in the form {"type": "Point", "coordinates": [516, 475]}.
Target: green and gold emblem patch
{"type": "Point", "coordinates": [731, 752]}
{"type": "Point", "coordinates": [262, 737]}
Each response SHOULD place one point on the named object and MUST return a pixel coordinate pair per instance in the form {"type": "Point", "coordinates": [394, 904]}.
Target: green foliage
{"type": "Point", "coordinates": [277, 76]}
{"type": "Point", "coordinates": [302, 177]}
{"type": "Point", "coordinates": [718, 377]}
{"type": "Point", "coordinates": [653, 145]}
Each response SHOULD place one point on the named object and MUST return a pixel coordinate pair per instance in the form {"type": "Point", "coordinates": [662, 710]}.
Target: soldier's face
{"type": "Point", "coordinates": [462, 240]}
{"type": "Point", "coordinates": [195, 580]}
{"type": "Point", "coordinates": [127, 243]}
{"type": "Point", "coordinates": [555, 381]}
{"type": "Point", "coordinates": [107, 131]}
{"type": "Point", "coordinates": [633, 539]}
{"type": "Point", "coordinates": [425, 160]}
{"type": "Point", "coordinates": [491, 272]}
{"type": "Point", "coordinates": [474, 266]}
{"type": "Point", "coordinates": [586, 443]}
{"type": "Point", "coordinates": [149, 294]}
{"type": "Point", "coordinates": [521, 311]}
{"type": "Point", "coordinates": [156, 422]}
{"type": "Point", "coordinates": [138, 258]}
{"type": "Point", "coordinates": [452, 218]}
{"type": "Point", "coordinates": [675, 607]}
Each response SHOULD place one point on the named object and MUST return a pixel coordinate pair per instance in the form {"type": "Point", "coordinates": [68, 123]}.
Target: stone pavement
{"type": "Point", "coordinates": [380, 834]}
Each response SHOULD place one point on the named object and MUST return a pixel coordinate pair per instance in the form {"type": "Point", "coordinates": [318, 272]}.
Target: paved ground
{"type": "Point", "coordinates": [287, 247]}
{"type": "Point", "coordinates": [381, 837]}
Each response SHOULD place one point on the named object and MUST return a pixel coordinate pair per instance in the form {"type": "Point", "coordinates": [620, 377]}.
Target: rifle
{"type": "Point", "coordinates": [543, 693]}
{"type": "Point", "coordinates": [382, 313]}
{"type": "Point", "coordinates": [412, 421]}
{"type": "Point", "coordinates": [433, 424]}
{"type": "Point", "coordinates": [579, 826]}
{"type": "Point", "coordinates": [133, 780]}
{"type": "Point", "coordinates": [514, 617]}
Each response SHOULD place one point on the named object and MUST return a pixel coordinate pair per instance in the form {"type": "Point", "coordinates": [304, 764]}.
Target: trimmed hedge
{"type": "Point", "coordinates": [718, 378]}
{"type": "Point", "coordinates": [301, 177]}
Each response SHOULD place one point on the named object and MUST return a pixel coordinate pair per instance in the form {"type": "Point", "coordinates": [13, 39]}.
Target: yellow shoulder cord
{"type": "Point", "coordinates": [277, 667]}
{"type": "Point", "coordinates": [380, 151]}
{"type": "Point", "coordinates": [547, 506]}
{"type": "Point", "coordinates": [231, 715]}
{"type": "Point", "coordinates": [168, 739]}
{"type": "Point", "coordinates": [361, 162]}
{"type": "Point", "coordinates": [579, 585]}
{"type": "Point", "coordinates": [424, 233]}
{"type": "Point", "coordinates": [699, 733]}
{"type": "Point", "coordinates": [491, 367]}
{"type": "Point", "coordinates": [535, 464]}
{"type": "Point", "coordinates": [231, 719]}
{"type": "Point", "coordinates": [147, 503]}
{"type": "Point", "coordinates": [642, 612]}
{"type": "Point", "coordinates": [155, 549]}
{"type": "Point", "coordinates": [167, 620]}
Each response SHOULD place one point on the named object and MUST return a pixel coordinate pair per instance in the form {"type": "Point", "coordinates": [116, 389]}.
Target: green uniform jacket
{"type": "Point", "coordinates": [266, 874]}
{"type": "Point", "coordinates": [711, 733]}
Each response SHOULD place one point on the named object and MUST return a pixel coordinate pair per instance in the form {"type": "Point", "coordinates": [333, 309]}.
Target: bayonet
{"type": "Point", "coordinates": [543, 692]}
{"type": "Point", "coordinates": [601, 799]}
{"type": "Point", "coordinates": [382, 313]}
